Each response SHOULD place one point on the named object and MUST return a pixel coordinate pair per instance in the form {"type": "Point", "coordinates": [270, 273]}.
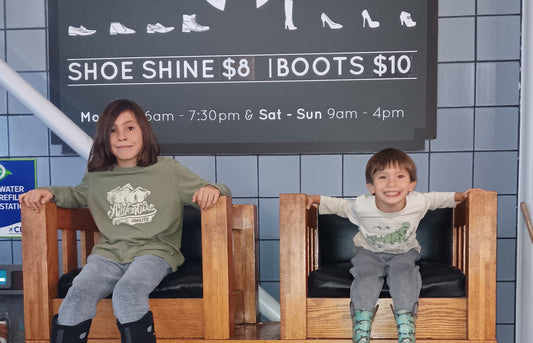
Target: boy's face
{"type": "Point", "coordinates": [391, 186]}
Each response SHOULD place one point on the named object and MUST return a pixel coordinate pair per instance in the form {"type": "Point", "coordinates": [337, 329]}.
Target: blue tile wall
{"type": "Point", "coordinates": [498, 7]}
{"type": "Point", "coordinates": [450, 171]}
{"type": "Point", "coordinates": [496, 128]}
{"type": "Point", "coordinates": [2, 21]}
{"type": "Point", "coordinates": [498, 37]}
{"type": "Point", "coordinates": [497, 83]}
{"type": "Point", "coordinates": [37, 80]}
{"type": "Point", "coordinates": [456, 39]}
{"type": "Point", "coordinates": [321, 174]}
{"type": "Point", "coordinates": [3, 137]}
{"type": "Point", "coordinates": [453, 137]}
{"type": "Point", "coordinates": [270, 170]}
{"type": "Point", "coordinates": [26, 49]}
{"type": "Point", "coordinates": [457, 7]}
{"type": "Point", "coordinates": [25, 13]}
{"type": "Point", "coordinates": [476, 143]}
{"type": "Point", "coordinates": [456, 84]}
{"type": "Point", "coordinates": [203, 166]}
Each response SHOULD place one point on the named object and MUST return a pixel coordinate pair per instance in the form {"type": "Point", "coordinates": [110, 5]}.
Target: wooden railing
{"type": "Point", "coordinates": [527, 218]}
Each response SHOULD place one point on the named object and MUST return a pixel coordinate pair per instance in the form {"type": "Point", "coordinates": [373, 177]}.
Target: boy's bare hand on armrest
{"type": "Point", "coordinates": [463, 196]}
{"type": "Point", "coordinates": [35, 198]}
{"type": "Point", "coordinates": [206, 197]}
{"type": "Point", "coordinates": [310, 200]}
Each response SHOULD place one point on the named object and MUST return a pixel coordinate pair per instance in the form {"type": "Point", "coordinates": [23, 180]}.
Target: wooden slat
{"type": "Point", "coordinates": [293, 269]}
{"type": "Point", "coordinates": [245, 255]}
{"type": "Point", "coordinates": [438, 318]}
{"type": "Point", "coordinates": [86, 244]}
{"type": "Point", "coordinates": [481, 273]}
{"type": "Point", "coordinates": [69, 250]}
{"type": "Point", "coordinates": [167, 318]}
{"type": "Point", "coordinates": [40, 268]}
{"type": "Point", "coordinates": [217, 260]}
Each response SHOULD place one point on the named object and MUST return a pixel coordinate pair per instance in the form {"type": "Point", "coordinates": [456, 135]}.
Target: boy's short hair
{"type": "Point", "coordinates": [389, 157]}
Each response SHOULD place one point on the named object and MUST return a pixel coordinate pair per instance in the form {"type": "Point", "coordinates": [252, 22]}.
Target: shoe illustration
{"type": "Point", "coordinates": [288, 7]}
{"type": "Point", "coordinates": [158, 28]}
{"type": "Point", "coordinates": [332, 25]}
{"type": "Point", "coordinates": [260, 3]}
{"type": "Point", "coordinates": [190, 24]}
{"type": "Point", "coordinates": [218, 4]}
{"type": "Point", "coordinates": [119, 29]}
{"type": "Point", "coordinates": [405, 19]}
{"type": "Point", "coordinates": [80, 31]}
{"type": "Point", "coordinates": [367, 20]}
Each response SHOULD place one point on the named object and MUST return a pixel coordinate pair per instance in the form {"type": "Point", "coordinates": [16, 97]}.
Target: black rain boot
{"type": "Point", "coordinates": [141, 331]}
{"type": "Point", "coordinates": [70, 334]}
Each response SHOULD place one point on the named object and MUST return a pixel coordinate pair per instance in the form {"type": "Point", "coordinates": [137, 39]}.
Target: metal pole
{"type": "Point", "coordinates": [524, 289]}
{"type": "Point", "coordinates": [40, 106]}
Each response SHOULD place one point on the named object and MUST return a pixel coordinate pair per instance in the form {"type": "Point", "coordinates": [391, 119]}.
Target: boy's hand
{"type": "Point", "coordinates": [310, 200]}
{"type": "Point", "coordinates": [463, 196]}
{"type": "Point", "coordinates": [36, 198]}
{"type": "Point", "coordinates": [206, 197]}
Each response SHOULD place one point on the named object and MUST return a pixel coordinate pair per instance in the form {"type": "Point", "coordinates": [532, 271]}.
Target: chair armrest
{"type": "Point", "coordinates": [294, 265]}
{"type": "Point", "coordinates": [480, 257]}
{"type": "Point", "coordinates": [230, 245]}
{"type": "Point", "coordinates": [40, 267]}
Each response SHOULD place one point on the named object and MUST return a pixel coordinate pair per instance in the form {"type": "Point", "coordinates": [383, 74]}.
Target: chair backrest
{"type": "Point", "coordinates": [435, 235]}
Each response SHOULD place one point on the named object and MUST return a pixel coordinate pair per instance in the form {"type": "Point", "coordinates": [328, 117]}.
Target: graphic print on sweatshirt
{"type": "Point", "coordinates": [128, 205]}
{"type": "Point", "coordinates": [396, 237]}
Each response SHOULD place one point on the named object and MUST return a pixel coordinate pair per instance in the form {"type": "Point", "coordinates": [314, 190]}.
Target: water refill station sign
{"type": "Point", "coordinates": [253, 76]}
{"type": "Point", "coordinates": [16, 176]}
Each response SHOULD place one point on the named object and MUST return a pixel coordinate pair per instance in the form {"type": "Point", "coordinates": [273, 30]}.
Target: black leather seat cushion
{"type": "Point", "coordinates": [332, 279]}
{"type": "Point", "coordinates": [186, 281]}
{"type": "Point", "coordinates": [438, 280]}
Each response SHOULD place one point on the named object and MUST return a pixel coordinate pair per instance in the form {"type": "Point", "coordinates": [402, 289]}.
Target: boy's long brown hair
{"type": "Point", "coordinates": [101, 157]}
{"type": "Point", "coordinates": [389, 157]}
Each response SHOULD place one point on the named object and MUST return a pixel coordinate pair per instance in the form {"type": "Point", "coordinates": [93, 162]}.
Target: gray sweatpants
{"type": "Point", "coordinates": [369, 270]}
{"type": "Point", "coordinates": [130, 283]}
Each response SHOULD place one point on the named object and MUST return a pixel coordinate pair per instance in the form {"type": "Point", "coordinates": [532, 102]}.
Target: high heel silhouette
{"type": "Point", "coordinates": [289, 25]}
{"type": "Point", "coordinates": [332, 25]}
{"type": "Point", "coordinates": [366, 19]}
{"type": "Point", "coordinates": [405, 19]}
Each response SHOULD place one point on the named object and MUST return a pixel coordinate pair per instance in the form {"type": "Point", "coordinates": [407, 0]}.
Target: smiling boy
{"type": "Point", "coordinates": [386, 244]}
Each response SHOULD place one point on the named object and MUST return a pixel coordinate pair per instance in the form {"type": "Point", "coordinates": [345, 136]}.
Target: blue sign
{"type": "Point", "coordinates": [17, 176]}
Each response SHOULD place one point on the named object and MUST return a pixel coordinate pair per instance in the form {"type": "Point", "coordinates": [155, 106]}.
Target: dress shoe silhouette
{"type": "Point", "coordinates": [366, 19]}
{"type": "Point", "coordinates": [190, 24]}
{"type": "Point", "coordinates": [80, 31]}
{"type": "Point", "coordinates": [158, 28]}
{"type": "Point", "coordinates": [405, 19]}
{"type": "Point", "coordinates": [332, 25]}
{"type": "Point", "coordinates": [119, 29]}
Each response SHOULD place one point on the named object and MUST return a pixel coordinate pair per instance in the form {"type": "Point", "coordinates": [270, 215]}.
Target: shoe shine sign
{"type": "Point", "coordinates": [253, 76]}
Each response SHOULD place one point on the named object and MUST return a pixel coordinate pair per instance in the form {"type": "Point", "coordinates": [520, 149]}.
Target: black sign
{"type": "Point", "coordinates": [252, 76]}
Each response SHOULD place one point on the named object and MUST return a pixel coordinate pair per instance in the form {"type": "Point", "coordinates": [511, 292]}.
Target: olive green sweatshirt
{"type": "Point", "coordinates": [138, 210]}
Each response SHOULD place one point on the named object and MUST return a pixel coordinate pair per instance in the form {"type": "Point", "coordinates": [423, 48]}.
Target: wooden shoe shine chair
{"type": "Point", "coordinates": [470, 317]}
{"type": "Point", "coordinates": [228, 285]}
